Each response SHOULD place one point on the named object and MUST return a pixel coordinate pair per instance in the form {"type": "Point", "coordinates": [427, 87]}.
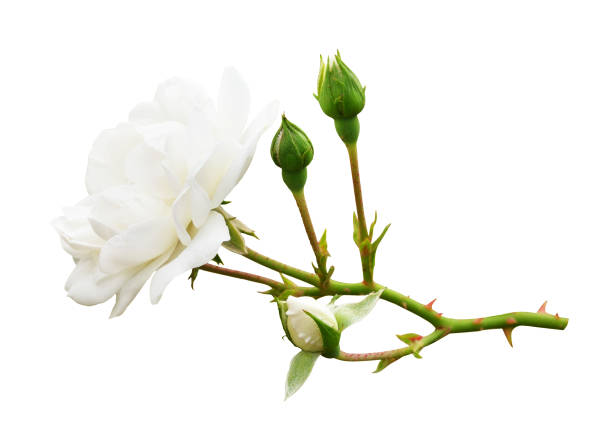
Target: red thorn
{"type": "Point", "coordinates": [557, 316]}
{"type": "Point", "coordinates": [439, 314]}
{"type": "Point", "coordinates": [478, 321]}
{"type": "Point", "coordinates": [511, 321]}
{"type": "Point", "coordinates": [416, 338]}
{"type": "Point", "coordinates": [542, 309]}
{"type": "Point", "coordinates": [430, 304]}
{"type": "Point", "coordinates": [508, 334]}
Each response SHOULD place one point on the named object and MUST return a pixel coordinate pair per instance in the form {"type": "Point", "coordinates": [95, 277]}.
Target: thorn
{"type": "Point", "coordinates": [557, 316]}
{"type": "Point", "coordinates": [542, 309]}
{"type": "Point", "coordinates": [430, 304]}
{"type": "Point", "coordinates": [439, 314]}
{"type": "Point", "coordinates": [508, 334]}
{"type": "Point", "coordinates": [511, 320]}
{"type": "Point", "coordinates": [478, 321]}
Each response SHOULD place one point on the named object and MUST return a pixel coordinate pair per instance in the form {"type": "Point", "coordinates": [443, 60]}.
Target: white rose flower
{"type": "Point", "coordinates": [303, 330]}
{"type": "Point", "coordinates": [153, 183]}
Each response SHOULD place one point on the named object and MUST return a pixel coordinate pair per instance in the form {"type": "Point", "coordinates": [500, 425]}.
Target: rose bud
{"type": "Point", "coordinates": [301, 327]}
{"type": "Point", "coordinates": [339, 91]}
{"type": "Point", "coordinates": [292, 151]}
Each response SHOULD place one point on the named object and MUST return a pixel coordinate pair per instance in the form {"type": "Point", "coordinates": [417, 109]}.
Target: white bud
{"type": "Point", "coordinates": [302, 328]}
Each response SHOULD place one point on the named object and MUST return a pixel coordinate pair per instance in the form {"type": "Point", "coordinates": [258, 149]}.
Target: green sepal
{"type": "Point", "coordinates": [356, 231]}
{"type": "Point", "coordinates": [193, 276]}
{"type": "Point", "coordinates": [330, 336]}
{"type": "Point", "coordinates": [414, 341]}
{"type": "Point", "coordinates": [382, 364]}
{"type": "Point", "coordinates": [225, 202]}
{"type": "Point", "coordinates": [323, 244]}
{"type": "Point", "coordinates": [299, 369]}
{"type": "Point", "coordinates": [351, 313]}
{"type": "Point", "coordinates": [288, 283]}
{"type": "Point", "coordinates": [236, 228]}
{"type": "Point", "coordinates": [409, 338]}
{"type": "Point", "coordinates": [282, 313]}
{"type": "Point", "coordinates": [217, 259]}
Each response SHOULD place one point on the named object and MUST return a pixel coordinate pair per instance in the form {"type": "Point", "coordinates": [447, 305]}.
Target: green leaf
{"type": "Point", "coordinates": [330, 336]}
{"type": "Point", "coordinates": [371, 234]}
{"type": "Point", "coordinates": [225, 202]}
{"type": "Point", "coordinates": [282, 313]}
{"type": "Point", "coordinates": [380, 237]}
{"type": "Point", "coordinates": [217, 259]}
{"type": "Point", "coordinates": [351, 313]}
{"type": "Point", "coordinates": [299, 369]}
{"type": "Point", "coordinates": [356, 233]}
{"type": "Point", "coordinates": [409, 338]}
{"type": "Point", "coordinates": [323, 244]}
{"type": "Point", "coordinates": [382, 364]}
{"type": "Point", "coordinates": [193, 276]}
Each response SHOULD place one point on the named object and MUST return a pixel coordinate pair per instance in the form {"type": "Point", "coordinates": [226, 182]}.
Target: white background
{"type": "Point", "coordinates": [486, 140]}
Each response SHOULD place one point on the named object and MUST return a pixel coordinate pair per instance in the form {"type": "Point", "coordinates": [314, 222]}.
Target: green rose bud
{"type": "Point", "coordinates": [292, 151]}
{"type": "Point", "coordinates": [339, 91]}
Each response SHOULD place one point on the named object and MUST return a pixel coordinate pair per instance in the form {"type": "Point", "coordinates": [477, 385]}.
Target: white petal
{"type": "Point", "coordinates": [251, 136]}
{"type": "Point", "coordinates": [181, 215]}
{"type": "Point", "coordinates": [180, 99]}
{"type": "Point", "coordinates": [215, 169]}
{"type": "Point", "coordinates": [203, 247]}
{"type": "Point", "coordinates": [200, 204]}
{"type": "Point", "coordinates": [243, 159]}
{"type": "Point", "coordinates": [105, 165]}
{"type": "Point", "coordinates": [233, 103]}
{"type": "Point", "coordinates": [143, 113]}
{"type": "Point", "coordinates": [132, 287]}
{"type": "Point", "coordinates": [87, 285]}
{"type": "Point", "coordinates": [138, 244]}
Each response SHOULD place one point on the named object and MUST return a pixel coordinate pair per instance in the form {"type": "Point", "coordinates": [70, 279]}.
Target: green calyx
{"type": "Point", "coordinates": [292, 151]}
{"type": "Point", "coordinates": [291, 148]}
{"type": "Point", "coordinates": [339, 91]}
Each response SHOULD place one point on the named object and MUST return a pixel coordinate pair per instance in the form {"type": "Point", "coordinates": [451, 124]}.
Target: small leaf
{"type": "Point", "coordinates": [288, 283]}
{"type": "Point", "coordinates": [380, 237]}
{"type": "Point", "coordinates": [299, 369]}
{"type": "Point", "coordinates": [323, 244]}
{"type": "Point", "coordinates": [409, 338]}
{"type": "Point", "coordinates": [371, 234]}
{"type": "Point", "coordinates": [382, 364]}
{"type": "Point", "coordinates": [351, 313]}
{"type": "Point", "coordinates": [193, 276]}
{"type": "Point", "coordinates": [225, 202]}
{"type": "Point", "coordinates": [330, 336]}
{"type": "Point", "coordinates": [356, 233]}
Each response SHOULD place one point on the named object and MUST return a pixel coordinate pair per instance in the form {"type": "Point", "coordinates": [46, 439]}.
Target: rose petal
{"type": "Point", "coordinates": [203, 247]}
{"type": "Point", "coordinates": [233, 102]}
{"type": "Point", "coordinates": [132, 287]}
{"type": "Point", "coordinates": [138, 244]}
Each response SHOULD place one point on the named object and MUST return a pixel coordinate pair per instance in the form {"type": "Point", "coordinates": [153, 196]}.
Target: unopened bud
{"type": "Point", "coordinates": [339, 91]}
{"type": "Point", "coordinates": [292, 151]}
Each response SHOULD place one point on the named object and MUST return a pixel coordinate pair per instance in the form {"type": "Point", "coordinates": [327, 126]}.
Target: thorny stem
{"type": "Point", "coordinates": [443, 325]}
{"type": "Point", "coordinates": [363, 228]}
{"type": "Point", "coordinates": [394, 354]}
{"type": "Point", "coordinates": [242, 275]}
{"type": "Point", "coordinates": [300, 200]}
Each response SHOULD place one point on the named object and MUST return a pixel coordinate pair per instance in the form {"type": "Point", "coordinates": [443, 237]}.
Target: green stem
{"type": "Point", "coordinates": [363, 228]}
{"type": "Point", "coordinates": [270, 263]}
{"type": "Point", "coordinates": [394, 354]}
{"type": "Point", "coordinates": [426, 312]}
{"type": "Point", "coordinates": [242, 275]}
{"type": "Point", "coordinates": [300, 200]}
